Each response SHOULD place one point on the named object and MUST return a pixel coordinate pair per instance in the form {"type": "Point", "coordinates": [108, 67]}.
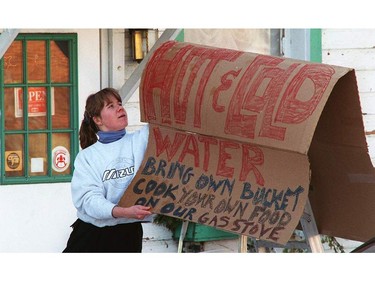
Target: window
{"type": "Point", "coordinates": [38, 113]}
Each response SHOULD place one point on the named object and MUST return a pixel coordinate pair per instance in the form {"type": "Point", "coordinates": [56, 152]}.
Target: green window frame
{"type": "Point", "coordinates": [43, 161]}
{"type": "Point", "coordinates": [316, 45]}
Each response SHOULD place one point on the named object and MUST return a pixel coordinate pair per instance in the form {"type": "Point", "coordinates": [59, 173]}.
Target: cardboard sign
{"type": "Point", "coordinates": [231, 134]}
{"type": "Point", "coordinates": [222, 183]}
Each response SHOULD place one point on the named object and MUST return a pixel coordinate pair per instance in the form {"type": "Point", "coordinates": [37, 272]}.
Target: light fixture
{"type": "Point", "coordinates": [139, 43]}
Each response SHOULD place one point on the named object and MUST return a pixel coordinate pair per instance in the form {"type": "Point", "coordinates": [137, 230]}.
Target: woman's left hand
{"type": "Point", "coordinates": [138, 212]}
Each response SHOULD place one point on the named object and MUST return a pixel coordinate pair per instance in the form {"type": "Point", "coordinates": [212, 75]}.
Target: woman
{"type": "Point", "coordinates": [108, 161]}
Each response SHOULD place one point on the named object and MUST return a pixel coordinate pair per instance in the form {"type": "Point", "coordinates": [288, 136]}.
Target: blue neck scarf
{"type": "Point", "coordinates": [108, 137]}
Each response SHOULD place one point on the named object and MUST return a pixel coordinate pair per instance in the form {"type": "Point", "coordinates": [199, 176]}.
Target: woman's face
{"type": "Point", "coordinates": [113, 116]}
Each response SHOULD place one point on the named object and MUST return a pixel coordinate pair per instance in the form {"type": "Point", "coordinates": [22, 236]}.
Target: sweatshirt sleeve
{"type": "Point", "coordinates": [88, 191]}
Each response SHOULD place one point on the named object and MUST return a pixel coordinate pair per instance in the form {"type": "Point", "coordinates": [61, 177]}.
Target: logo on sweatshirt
{"type": "Point", "coordinates": [120, 169]}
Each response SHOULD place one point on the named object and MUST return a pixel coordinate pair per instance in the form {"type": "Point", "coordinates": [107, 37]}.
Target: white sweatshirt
{"type": "Point", "coordinates": [102, 174]}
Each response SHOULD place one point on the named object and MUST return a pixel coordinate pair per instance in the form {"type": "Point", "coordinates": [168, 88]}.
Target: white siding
{"type": "Point", "coordinates": [355, 48]}
{"type": "Point", "coordinates": [348, 39]}
{"type": "Point", "coordinates": [35, 218]}
{"type": "Point", "coordinates": [247, 40]}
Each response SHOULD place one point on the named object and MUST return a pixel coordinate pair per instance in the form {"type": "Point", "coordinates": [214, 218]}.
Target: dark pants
{"type": "Point", "coordinates": [121, 238]}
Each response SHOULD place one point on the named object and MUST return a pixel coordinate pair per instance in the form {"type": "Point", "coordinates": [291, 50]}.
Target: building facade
{"type": "Point", "coordinates": [46, 76]}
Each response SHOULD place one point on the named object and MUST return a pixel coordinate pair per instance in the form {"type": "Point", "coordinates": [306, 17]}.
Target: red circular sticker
{"type": "Point", "coordinates": [60, 159]}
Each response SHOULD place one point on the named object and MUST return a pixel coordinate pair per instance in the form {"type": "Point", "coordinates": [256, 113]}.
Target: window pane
{"type": "Point", "coordinates": [13, 61]}
{"type": "Point", "coordinates": [61, 154]}
{"type": "Point", "coordinates": [59, 61]}
{"type": "Point", "coordinates": [37, 105]}
{"type": "Point", "coordinates": [39, 135]}
{"type": "Point", "coordinates": [61, 116]}
{"type": "Point", "coordinates": [14, 155]}
{"type": "Point", "coordinates": [13, 100]}
{"type": "Point", "coordinates": [38, 154]}
{"type": "Point", "coordinates": [36, 61]}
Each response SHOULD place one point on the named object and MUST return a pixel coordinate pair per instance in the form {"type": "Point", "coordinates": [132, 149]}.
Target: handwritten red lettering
{"type": "Point", "coordinates": [256, 96]}
{"type": "Point", "coordinates": [238, 123]}
{"type": "Point", "coordinates": [184, 64]}
{"type": "Point", "coordinates": [216, 57]}
{"type": "Point", "coordinates": [225, 85]}
{"type": "Point", "coordinates": [190, 147]}
{"type": "Point", "coordinates": [207, 141]}
{"type": "Point", "coordinates": [249, 163]}
{"type": "Point", "coordinates": [222, 168]}
{"type": "Point", "coordinates": [177, 145]}
{"type": "Point", "coordinates": [164, 144]}
{"type": "Point", "coordinates": [271, 94]}
{"type": "Point", "coordinates": [292, 110]}
{"type": "Point", "coordinates": [158, 81]}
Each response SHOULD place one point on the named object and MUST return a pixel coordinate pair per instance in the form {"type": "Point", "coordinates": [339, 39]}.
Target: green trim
{"type": "Point", "coordinates": [316, 45]}
{"type": "Point", "coordinates": [200, 233]}
{"type": "Point", "coordinates": [74, 144]}
{"type": "Point", "coordinates": [181, 36]}
{"type": "Point", "coordinates": [2, 122]}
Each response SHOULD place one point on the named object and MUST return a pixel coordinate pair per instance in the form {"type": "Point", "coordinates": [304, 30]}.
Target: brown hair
{"type": "Point", "coordinates": [94, 105]}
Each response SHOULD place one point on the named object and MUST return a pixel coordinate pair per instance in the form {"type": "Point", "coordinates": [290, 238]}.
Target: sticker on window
{"type": "Point", "coordinates": [13, 161]}
{"type": "Point", "coordinates": [60, 159]}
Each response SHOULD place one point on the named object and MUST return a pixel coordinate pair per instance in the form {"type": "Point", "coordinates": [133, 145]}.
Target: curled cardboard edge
{"type": "Point", "coordinates": [342, 183]}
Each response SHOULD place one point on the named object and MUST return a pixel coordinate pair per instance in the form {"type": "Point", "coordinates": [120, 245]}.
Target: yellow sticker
{"type": "Point", "coordinates": [13, 161]}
